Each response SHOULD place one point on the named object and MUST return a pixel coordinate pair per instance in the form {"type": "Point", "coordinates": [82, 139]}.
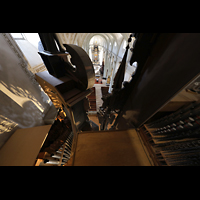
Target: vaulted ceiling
{"type": "Point", "coordinates": [83, 39]}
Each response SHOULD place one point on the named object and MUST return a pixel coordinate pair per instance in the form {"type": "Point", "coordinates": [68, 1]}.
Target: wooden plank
{"type": "Point", "coordinates": [23, 146]}
{"type": "Point", "coordinates": [110, 148]}
{"type": "Point", "coordinates": [173, 106]}
{"type": "Point", "coordinates": [45, 76]}
{"type": "Point", "coordinates": [181, 99]}
{"type": "Point", "coordinates": [78, 97]}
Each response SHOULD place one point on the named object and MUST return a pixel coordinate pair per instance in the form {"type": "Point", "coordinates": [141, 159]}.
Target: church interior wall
{"type": "Point", "coordinates": [23, 103]}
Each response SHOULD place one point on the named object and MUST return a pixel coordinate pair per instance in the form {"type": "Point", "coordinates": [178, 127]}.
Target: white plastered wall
{"type": "Point", "coordinates": [22, 102]}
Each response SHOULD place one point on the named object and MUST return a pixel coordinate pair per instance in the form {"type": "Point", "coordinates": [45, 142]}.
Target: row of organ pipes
{"type": "Point", "coordinates": [170, 140]}
{"type": "Point", "coordinates": [56, 150]}
{"type": "Point", "coordinates": [175, 138]}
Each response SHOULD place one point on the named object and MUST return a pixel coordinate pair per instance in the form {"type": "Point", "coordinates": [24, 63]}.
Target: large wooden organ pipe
{"type": "Point", "coordinates": [68, 82]}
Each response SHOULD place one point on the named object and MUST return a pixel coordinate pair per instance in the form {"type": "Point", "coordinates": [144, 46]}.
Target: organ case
{"type": "Point", "coordinates": [161, 126]}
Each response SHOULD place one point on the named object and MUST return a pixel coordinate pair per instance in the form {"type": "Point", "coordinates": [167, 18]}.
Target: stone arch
{"type": "Point", "coordinates": [89, 37]}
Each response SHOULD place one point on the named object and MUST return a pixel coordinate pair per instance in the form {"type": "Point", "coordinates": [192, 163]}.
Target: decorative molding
{"type": "Point", "coordinates": [38, 68]}
{"type": "Point", "coordinates": [23, 62]}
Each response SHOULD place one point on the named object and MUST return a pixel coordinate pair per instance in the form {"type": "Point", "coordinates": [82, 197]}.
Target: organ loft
{"type": "Point", "coordinates": [143, 110]}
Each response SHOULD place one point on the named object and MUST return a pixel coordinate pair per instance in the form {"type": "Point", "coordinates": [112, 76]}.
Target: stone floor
{"type": "Point", "coordinates": [92, 115]}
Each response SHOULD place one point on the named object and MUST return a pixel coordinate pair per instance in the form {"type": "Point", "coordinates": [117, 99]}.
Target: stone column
{"type": "Point", "coordinates": [114, 64]}
{"type": "Point", "coordinates": [105, 65]}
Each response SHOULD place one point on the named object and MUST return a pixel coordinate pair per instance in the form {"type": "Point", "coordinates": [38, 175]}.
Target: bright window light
{"type": "Point", "coordinates": [33, 38]}
{"type": "Point", "coordinates": [17, 36]}
{"type": "Point", "coordinates": [124, 47]}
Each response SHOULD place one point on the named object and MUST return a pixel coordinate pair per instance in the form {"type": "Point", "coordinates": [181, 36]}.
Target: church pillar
{"type": "Point", "coordinates": [110, 69]}
{"type": "Point", "coordinates": [113, 74]}
{"type": "Point", "coordinates": [105, 64]}
{"type": "Point", "coordinates": [109, 64]}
